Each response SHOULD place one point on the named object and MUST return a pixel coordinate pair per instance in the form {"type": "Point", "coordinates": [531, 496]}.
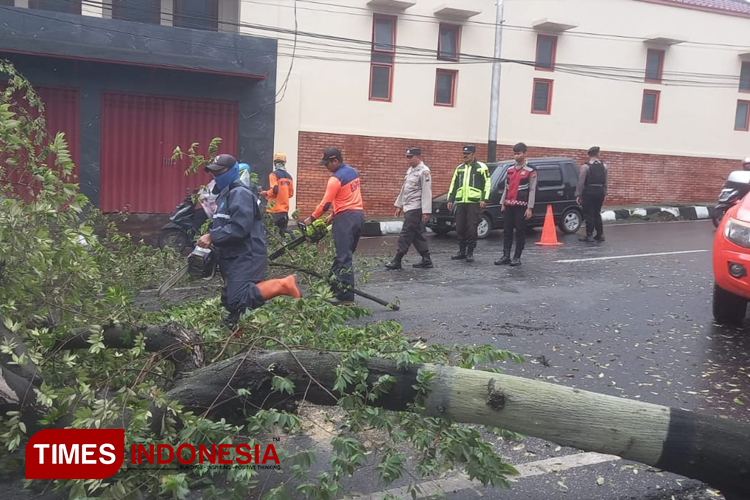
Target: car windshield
{"type": "Point", "coordinates": [498, 176]}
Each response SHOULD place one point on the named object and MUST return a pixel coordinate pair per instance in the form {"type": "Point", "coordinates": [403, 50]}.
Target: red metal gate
{"type": "Point", "coordinates": [139, 134]}
{"type": "Point", "coordinates": [61, 114]}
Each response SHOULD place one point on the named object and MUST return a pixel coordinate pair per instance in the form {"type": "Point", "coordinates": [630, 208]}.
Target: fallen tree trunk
{"type": "Point", "coordinates": [713, 450]}
{"type": "Point", "coordinates": [695, 445]}
{"type": "Point", "coordinates": [173, 342]}
{"type": "Point", "coordinates": [183, 347]}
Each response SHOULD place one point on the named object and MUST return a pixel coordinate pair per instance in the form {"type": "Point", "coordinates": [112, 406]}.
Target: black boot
{"type": "Point", "coordinates": [599, 237]}
{"type": "Point", "coordinates": [470, 255]}
{"type": "Point", "coordinates": [395, 263]}
{"type": "Point", "coordinates": [426, 262]}
{"type": "Point", "coordinates": [231, 320]}
{"type": "Point", "coordinates": [587, 239]}
{"type": "Point", "coordinates": [461, 255]}
{"type": "Point", "coordinates": [504, 261]}
{"type": "Point", "coordinates": [515, 262]}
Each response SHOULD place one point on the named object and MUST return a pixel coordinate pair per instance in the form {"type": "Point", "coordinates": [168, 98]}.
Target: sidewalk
{"type": "Point", "coordinates": [380, 226]}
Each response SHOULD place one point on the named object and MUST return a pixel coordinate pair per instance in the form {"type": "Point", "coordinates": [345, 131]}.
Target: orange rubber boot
{"type": "Point", "coordinates": [273, 288]}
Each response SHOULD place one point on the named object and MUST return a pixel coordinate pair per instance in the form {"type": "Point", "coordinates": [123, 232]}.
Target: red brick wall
{"type": "Point", "coordinates": [633, 178]}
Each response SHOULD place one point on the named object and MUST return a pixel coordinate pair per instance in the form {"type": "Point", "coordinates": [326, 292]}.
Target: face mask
{"type": "Point", "coordinates": [227, 177]}
{"type": "Point", "coordinates": [279, 165]}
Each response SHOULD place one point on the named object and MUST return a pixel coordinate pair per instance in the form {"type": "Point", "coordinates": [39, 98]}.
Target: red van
{"type": "Point", "coordinates": [731, 263]}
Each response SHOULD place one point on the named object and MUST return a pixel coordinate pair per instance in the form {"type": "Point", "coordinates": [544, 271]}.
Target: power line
{"type": "Point", "coordinates": [419, 56]}
{"type": "Point", "coordinates": [282, 89]}
{"type": "Point", "coordinates": [431, 20]}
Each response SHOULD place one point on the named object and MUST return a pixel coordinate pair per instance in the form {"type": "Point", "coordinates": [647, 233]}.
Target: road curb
{"type": "Point", "coordinates": [695, 212]}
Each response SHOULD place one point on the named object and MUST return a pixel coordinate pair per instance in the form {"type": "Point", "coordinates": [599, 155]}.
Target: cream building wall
{"type": "Point", "coordinates": [692, 121]}
{"type": "Point", "coordinates": [331, 96]}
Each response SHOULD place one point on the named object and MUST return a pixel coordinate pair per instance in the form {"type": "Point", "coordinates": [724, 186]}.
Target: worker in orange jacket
{"type": "Point", "coordinates": [281, 189]}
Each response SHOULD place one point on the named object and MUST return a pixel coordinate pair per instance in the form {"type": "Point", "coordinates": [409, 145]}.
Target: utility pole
{"type": "Point", "coordinates": [495, 95]}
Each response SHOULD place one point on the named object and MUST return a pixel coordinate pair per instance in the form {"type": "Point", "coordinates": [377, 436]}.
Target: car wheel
{"type": "Point", "coordinates": [485, 226]}
{"type": "Point", "coordinates": [175, 239]}
{"type": "Point", "coordinates": [728, 307]}
{"type": "Point", "coordinates": [571, 221]}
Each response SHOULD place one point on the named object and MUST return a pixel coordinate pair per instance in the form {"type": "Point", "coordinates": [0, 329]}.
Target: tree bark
{"type": "Point", "coordinates": [174, 342]}
{"type": "Point", "coordinates": [695, 445]}
{"type": "Point", "coordinates": [179, 345]}
{"type": "Point", "coordinates": [713, 450]}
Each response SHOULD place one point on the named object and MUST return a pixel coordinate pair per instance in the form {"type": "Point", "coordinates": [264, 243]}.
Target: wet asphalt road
{"type": "Point", "coordinates": [637, 327]}
{"type": "Point", "coordinates": [630, 327]}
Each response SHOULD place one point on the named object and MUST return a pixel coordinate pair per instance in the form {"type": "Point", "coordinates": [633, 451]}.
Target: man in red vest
{"type": "Point", "coordinates": [517, 204]}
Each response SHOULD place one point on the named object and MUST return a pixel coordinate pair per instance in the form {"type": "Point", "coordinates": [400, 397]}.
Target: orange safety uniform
{"type": "Point", "coordinates": [342, 192]}
{"type": "Point", "coordinates": [282, 188]}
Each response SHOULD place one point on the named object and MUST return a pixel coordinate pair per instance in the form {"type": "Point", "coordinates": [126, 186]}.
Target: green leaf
{"type": "Point", "coordinates": [281, 384]}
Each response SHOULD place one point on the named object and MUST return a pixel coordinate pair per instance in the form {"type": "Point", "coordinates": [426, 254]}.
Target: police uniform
{"type": "Point", "coordinates": [239, 241]}
{"type": "Point", "coordinates": [415, 200]}
{"type": "Point", "coordinates": [470, 186]}
{"type": "Point", "coordinates": [519, 195]}
{"type": "Point", "coordinates": [592, 189]}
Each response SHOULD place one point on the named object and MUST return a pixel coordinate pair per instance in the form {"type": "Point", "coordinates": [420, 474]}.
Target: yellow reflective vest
{"type": "Point", "coordinates": [470, 183]}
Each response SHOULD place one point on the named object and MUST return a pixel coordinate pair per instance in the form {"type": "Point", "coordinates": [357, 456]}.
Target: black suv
{"type": "Point", "coordinates": [557, 179]}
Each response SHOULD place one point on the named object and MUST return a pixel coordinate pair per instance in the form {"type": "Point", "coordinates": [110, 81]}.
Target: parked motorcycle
{"type": "Point", "coordinates": [184, 225]}
{"type": "Point", "coordinates": [735, 188]}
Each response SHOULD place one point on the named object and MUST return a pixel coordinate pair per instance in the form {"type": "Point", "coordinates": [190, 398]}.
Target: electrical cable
{"type": "Point", "coordinates": [407, 57]}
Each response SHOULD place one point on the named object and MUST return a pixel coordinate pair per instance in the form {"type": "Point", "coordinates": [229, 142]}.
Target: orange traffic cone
{"type": "Point", "coordinates": [549, 233]}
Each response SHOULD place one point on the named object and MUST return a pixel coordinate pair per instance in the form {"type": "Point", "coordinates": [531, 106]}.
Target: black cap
{"type": "Point", "coordinates": [594, 151]}
{"type": "Point", "coordinates": [221, 162]}
{"type": "Point", "coordinates": [470, 149]}
{"type": "Point", "coordinates": [330, 154]}
{"type": "Point", "coordinates": [413, 152]}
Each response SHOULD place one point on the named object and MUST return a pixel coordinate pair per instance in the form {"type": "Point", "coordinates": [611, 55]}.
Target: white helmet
{"type": "Point", "coordinates": [746, 163]}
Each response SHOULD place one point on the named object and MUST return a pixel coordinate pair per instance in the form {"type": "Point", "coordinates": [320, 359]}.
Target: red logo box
{"type": "Point", "coordinates": [75, 453]}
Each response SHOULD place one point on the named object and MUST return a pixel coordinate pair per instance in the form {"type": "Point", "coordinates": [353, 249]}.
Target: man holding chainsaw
{"type": "Point", "coordinates": [237, 237]}
{"type": "Point", "coordinates": [343, 194]}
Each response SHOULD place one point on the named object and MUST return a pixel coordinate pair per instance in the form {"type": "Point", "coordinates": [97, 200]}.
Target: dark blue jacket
{"type": "Point", "coordinates": [238, 236]}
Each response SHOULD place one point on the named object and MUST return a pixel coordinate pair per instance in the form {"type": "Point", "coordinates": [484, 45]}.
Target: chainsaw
{"type": "Point", "coordinates": [201, 263]}
{"type": "Point", "coordinates": [312, 233]}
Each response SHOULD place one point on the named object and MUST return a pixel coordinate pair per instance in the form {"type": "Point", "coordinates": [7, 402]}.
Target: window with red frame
{"type": "Point", "coordinates": [448, 42]}
{"type": "Point", "coordinates": [546, 49]}
{"type": "Point", "coordinates": [541, 101]}
{"type": "Point", "coordinates": [445, 87]}
{"type": "Point", "coordinates": [745, 77]}
{"type": "Point", "coordinates": [654, 65]}
{"type": "Point", "coordinates": [142, 11]}
{"type": "Point", "coordinates": [69, 6]}
{"type": "Point", "coordinates": [382, 58]}
{"type": "Point", "coordinates": [197, 14]}
{"type": "Point", "coordinates": [650, 106]}
{"type": "Point", "coordinates": [742, 118]}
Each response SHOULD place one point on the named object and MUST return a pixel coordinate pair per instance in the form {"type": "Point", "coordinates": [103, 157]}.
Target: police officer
{"type": "Point", "coordinates": [469, 191]}
{"type": "Point", "coordinates": [343, 194]}
{"type": "Point", "coordinates": [237, 236]}
{"type": "Point", "coordinates": [746, 163]}
{"type": "Point", "coordinates": [591, 191]}
{"type": "Point", "coordinates": [281, 189]}
{"type": "Point", "coordinates": [517, 203]}
{"type": "Point", "coordinates": [415, 203]}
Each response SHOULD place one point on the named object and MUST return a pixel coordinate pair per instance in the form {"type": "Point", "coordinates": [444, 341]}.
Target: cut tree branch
{"type": "Point", "coordinates": [695, 445]}
{"type": "Point", "coordinates": [174, 342]}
